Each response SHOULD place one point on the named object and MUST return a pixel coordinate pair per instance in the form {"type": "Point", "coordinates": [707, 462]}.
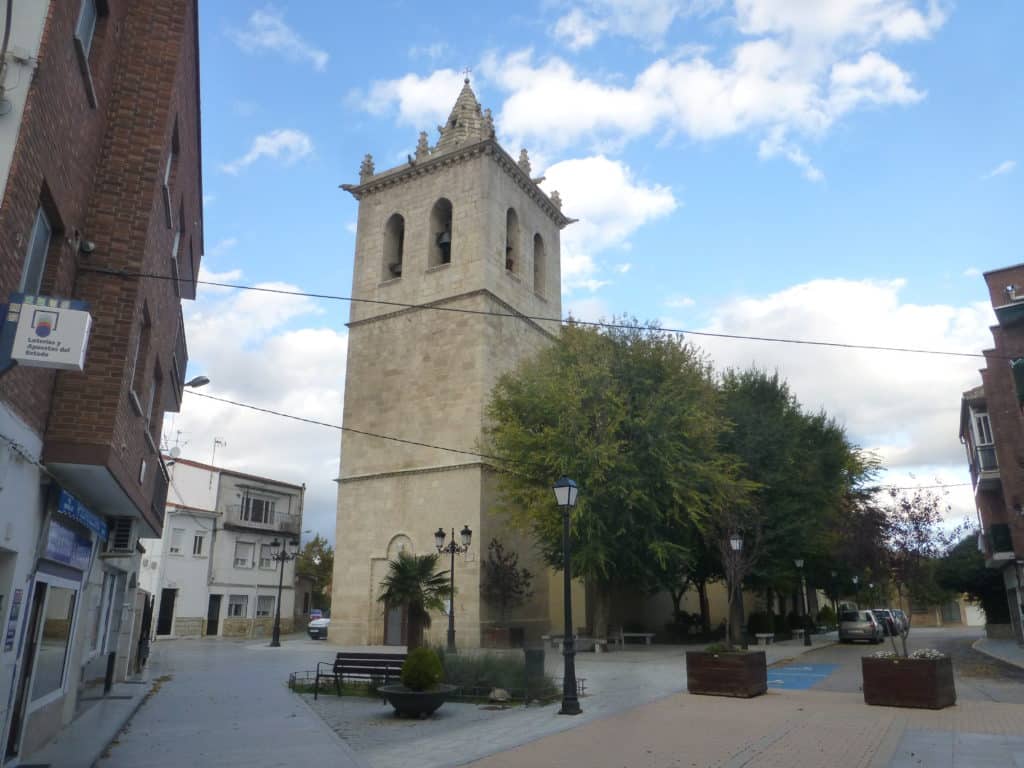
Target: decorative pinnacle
{"type": "Point", "coordinates": [524, 161]}
{"type": "Point", "coordinates": [366, 169]}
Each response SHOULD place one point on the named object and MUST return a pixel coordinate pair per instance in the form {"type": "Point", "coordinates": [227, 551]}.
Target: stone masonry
{"type": "Point", "coordinates": [426, 374]}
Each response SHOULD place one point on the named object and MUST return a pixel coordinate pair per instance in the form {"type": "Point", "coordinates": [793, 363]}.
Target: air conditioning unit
{"type": "Point", "coordinates": [121, 535]}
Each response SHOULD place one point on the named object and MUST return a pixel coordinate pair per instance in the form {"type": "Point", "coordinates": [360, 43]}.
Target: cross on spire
{"type": "Point", "coordinates": [466, 73]}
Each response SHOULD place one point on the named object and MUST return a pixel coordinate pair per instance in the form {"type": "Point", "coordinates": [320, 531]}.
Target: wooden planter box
{"type": "Point", "coordinates": [918, 683]}
{"type": "Point", "coordinates": [743, 674]}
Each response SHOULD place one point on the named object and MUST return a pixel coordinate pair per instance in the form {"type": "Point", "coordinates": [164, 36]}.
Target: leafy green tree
{"type": "Point", "coordinates": [503, 583]}
{"type": "Point", "coordinates": [632, 415]}
{"type": "Point", "coordinates": [412, 582]}
{"type": "Point", "coordinates": [316, 562]}
{"type": "Point", "coordinates": [963, 571]}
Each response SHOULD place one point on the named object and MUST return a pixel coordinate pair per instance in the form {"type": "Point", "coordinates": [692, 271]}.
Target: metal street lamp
{"type": "Point", "coordinates": [799, 563]}
{"type": "Point", "coordinates": [453, 549]}
{"type": "Point", "coordinates": [736, 545]}
{"type": "Point", "coordinates": [565, 496]}
{"type": "Point", "coordinates": [198, 381]}
{"type": "Point", "coordinates": [835, 608]}
{"type": "Point", "coordinates": [281, 556]}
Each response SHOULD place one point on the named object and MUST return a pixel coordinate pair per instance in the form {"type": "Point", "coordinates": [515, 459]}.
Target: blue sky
{"type": "Point", "coordinates": [833, 169]}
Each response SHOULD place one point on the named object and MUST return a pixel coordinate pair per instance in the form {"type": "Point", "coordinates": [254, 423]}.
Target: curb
{"type": "Point", "coordinates": [977, 646]}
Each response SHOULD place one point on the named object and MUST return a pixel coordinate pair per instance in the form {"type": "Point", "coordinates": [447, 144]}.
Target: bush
{"type": "Point", "coordinates": [422, 669]}
{"type": "Point", "coordinates": [482, 672]}
{"type": "Point", "coordinates": [760, 623]}
{"type": "Point", "coordinates": [827, 617]}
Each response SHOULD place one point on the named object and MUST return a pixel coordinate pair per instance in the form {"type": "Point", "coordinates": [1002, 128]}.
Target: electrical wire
{"type": "Point", "coordinates": [475, 454]}
{"type": "Point", "coordinates": [570, 320]}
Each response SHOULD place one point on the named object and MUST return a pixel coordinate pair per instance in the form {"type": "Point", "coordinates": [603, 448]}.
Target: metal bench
{"type": "Point", "coordinates": [767, 637]}
{"type": "Point", "coordinates": [369, 666]}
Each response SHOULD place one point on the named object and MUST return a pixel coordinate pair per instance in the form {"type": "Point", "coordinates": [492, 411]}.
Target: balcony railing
{"type": "Point", "coordinates": [278, 521]}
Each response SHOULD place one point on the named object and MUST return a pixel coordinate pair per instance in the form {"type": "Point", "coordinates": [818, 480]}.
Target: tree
{"type": "Point", "coordinates": [632, 415]}
{"type": "Point", "coordinates": [963, 571]}
{"type": "Point", "coordinates": [413, 583]}
{"type": "Point", "coordinates": [917, 538]}
{"type": "Point", "coordinates": [503, 583]}
{"type": "Point", "coordinates": [316, 562]}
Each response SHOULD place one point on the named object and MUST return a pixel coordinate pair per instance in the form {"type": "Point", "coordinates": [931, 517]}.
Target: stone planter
{"type": "Point", "coordinates": [412, 703]}
{"type": "Point", "coordinates": [917, 683]}
{"type": "Point", "coordinates": [743, 674]}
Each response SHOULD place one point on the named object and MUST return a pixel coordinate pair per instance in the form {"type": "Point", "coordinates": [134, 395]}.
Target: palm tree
{"type": "Point", "coordinates": [413, 583]}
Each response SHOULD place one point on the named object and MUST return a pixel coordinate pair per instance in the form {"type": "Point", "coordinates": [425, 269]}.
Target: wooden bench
{"type": "Point", "coordinates": [798, 634]}
{"type": "Point", "coordinates": [767, 637]}
{"type": "Point", "coordinates": [369, 666]}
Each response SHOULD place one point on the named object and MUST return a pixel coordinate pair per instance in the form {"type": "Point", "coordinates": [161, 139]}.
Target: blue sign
{"type": "Point", "coordinates": [76, 510]}
{"type": "Point", "coordinates": [64, 545]}
{"type": "Point", "coordinates": [799, 677]}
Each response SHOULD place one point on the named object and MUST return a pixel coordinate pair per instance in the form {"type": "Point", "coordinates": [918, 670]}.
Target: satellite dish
{"type": "Point", "coordinates": [175, 452]}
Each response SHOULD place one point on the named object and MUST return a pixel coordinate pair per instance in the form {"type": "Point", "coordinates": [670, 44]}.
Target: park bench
{"type": "Point", "coordinates": [369, 666]}
{"type": "Point", "coordinates": [767, 637]}
{"type": "Point", "coordinates": [619, 637]}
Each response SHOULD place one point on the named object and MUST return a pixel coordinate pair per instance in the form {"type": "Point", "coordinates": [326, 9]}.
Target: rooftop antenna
{"type": "Point", "coordinates": [213, 455]}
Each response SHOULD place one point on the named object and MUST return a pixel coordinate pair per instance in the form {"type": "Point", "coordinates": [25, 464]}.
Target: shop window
{"type": "Point", "coordinates": [238, 606]}
{"type": "Point", "coordinates": [54, 639]}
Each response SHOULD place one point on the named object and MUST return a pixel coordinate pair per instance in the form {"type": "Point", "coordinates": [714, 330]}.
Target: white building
{"type": "Point", "coordinates": [213, 571]}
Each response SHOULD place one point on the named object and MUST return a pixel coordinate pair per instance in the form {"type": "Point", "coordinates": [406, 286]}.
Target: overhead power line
{"type": "Point", "coordinates": [449, 449]}
{"type": "Point", "coordinates": [559, 320]}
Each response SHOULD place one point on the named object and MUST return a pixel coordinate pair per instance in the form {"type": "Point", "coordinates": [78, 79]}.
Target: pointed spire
{"type": "Point", "coordinates": [466, 124]}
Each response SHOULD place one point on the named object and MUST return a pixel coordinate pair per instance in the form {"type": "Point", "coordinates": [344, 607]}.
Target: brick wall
{"type": "Point", "coordinates": [109, 190]}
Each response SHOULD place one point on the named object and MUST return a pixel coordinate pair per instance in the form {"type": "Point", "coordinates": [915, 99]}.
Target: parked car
{"type": "Point", "coordinates": [315, 613]}
{"type": "Point", "coordinates": [901, 617]}
{"type": "Point", "coordinates": [887, 620]}
{"type": "Point", "coordinates": [859, 625]}
{"type": "Point", "coordinates": [317, 628]}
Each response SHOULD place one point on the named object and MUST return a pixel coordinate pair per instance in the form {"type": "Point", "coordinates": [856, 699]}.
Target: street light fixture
{"type": "Point", "coordinates": [736, 545]}
{"type": "Point", "coordinates": [799, 563]}
{"type": "Point", "coordinates": [198, 381]}
{"type": "Point", "coordinates": [453, 549]}
{"type": "Point", "coordinates": [565, 495]}
{"type": "Point", "coordinates": [281, 556]}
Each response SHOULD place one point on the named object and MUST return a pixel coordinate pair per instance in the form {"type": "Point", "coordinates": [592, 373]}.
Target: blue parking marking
{"type": "Point", "coordinates": [799, 677]}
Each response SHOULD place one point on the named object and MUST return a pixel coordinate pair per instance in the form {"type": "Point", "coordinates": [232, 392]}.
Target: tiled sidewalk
{"type": "Point", "coordinates": [1004, 650]}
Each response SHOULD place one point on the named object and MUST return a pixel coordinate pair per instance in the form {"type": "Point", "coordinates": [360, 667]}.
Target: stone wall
{"type": "Point", "coordinates": [189, 626]}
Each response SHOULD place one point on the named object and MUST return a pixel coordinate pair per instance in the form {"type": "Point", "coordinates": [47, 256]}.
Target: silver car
{"type": "Point", "coordinates": [859, 625]}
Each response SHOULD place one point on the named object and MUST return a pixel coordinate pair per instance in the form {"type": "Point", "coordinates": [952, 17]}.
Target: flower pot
{"type": "Point", "coordinates": [918, 683]}
{"type": "Point", "coordinates": [412, 703]}
{"type": "Point", "coordinates": [743, 674]}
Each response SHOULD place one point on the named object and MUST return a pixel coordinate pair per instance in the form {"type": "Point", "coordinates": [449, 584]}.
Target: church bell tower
{"type": "Point", "coordinates": [461, 248]}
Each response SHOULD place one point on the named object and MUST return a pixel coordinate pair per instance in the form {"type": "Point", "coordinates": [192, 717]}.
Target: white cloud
{"type": "Point", "coordinates": [679, 302]}
{"type": "Point", "coordinates": [577, 30]}
{"type": "Point", "coordinates": [777, 144]}
{"type": "Point", "coordinates": [421, 101]}
{"type": "Point", "coordinates": [623, 268]}
{"type": "Point", "coordinates": [350, 226]}
{"type": "Point", "coordinates": [431, 51]}
{"type": "Point", "coordinates": [1003, 168]}
{"type": "Point", "coordinates": [222, 246]}
{"type": "Point", "coordinates": [610, 205]}
{"type": "Point", "coordinates": [871, 79]}
{"type": "Point", "coordinates": [972, 272]}
{"type": "Point", "coordinates": [591, 309]}
{"type": "Point", "coordinates": [266, 31]}
{"type": "Point", "coordinates": [905, 406]}
{"type": "Point", "coordinates": [281, 358]}
{"type": "Point", "coordinates": [286, 145]}
{"type": "Point", "coordinates": [647, 21]}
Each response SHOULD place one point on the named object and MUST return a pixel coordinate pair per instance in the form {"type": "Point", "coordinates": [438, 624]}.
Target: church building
{"type": "Point", "coordinates": [457, 255]}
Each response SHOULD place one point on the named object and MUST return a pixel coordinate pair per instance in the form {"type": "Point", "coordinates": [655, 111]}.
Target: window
{"type": "Point", "coordinates": [244, 552]}
{"type": "Point", "coordinates": [120, 539]}
{"type": "Point", "coordinates": [511, 240]}
{"type": "Point", "coordinates": [139, 356]}
{"type": "Point", "coordinates": [35, 258]}
{"type": "Point", "coordinates": [197, 545]}
{"type": "Point", "coordinates": [86, 26]}
{"type": "Point", "coordinates": [539, 264]}
{"type": "Point", "coordinates": [264, 605]}
{"type": "Point", "coordinates": [440, 247]}
{"type": "Point", "coordinates": [238, 606]}
{"type": "Point", "coordinates": [266, 556]}
{"type": "Point", "coordinates": [175, 248]}
{"type": "Point", "coordinates": [154, 407]}
{"type": "Point", "coordinates": [172, 155]}
{"type": "Point", "coordinates": [177, 537]}
{"type": "Point", "coordinates": [257, 509]}
{"type": "Point", "coordinates": [394, 246]}
{"type": "Point", "coordinates": [983, 428]}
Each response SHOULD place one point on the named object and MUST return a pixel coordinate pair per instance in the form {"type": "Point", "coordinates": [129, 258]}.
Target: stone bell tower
{"type": "Point", "coordinates": [463, 234]}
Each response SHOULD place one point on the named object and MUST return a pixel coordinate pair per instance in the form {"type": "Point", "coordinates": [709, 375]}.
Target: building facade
{"type": "Point", "coordinates": [463, 228]}
{"type": "Point", "coordinates": [100, 164]}
{"type": "Point", "coordinates": [213, 572]}
{"type": "Point", "coordinates": [992, 431]}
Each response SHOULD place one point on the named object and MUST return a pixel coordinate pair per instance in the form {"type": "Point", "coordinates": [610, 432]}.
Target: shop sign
{"type": "Point", "coordinates": [49, 332]}
{"type": "Point", "coordinates": [66, 546]}
{"type": "Point", "coordinates": [77, 511]}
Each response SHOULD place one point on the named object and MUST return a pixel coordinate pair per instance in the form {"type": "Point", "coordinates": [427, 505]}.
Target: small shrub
{"type": "Point", "coordinates": [422, 669]}
{"type": "Point", "coordinates": [827, 617]}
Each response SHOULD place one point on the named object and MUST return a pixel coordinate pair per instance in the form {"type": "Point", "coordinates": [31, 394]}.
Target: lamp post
{"type": "Point", "coordinates": [735, 589]}
{"type": "Point", "coordinates": [799, 563]}
{"type": "Point", "coordinates": [453, 549]}
{"type": "Point", "coordinates": [565, 495]}
{"type": "Point", "coordinates": [856, 581]}
{"type": "Point", "coordinates": [835, 607]}
{"type": "Point", "coordinates": [282, 556]}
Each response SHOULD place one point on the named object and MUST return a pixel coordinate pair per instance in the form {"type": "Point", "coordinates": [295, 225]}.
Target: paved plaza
{"type": "Point", "coordinates": [226, 703]}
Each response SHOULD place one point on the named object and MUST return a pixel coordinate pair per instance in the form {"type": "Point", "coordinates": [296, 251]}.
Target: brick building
{"type": "Point", "coordinates": [101, 180]}
{"type": "Point", "coordinates": [992, 430]}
